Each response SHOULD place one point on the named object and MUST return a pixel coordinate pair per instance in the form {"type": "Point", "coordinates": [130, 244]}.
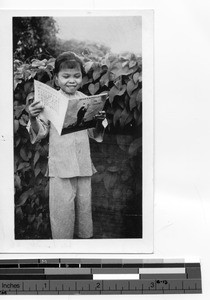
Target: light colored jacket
{"type": "Point", "coordinates": [69, 154]}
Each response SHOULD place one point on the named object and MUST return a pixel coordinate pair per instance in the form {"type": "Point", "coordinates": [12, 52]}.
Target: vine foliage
{"type": "Point", "coordinates": [121, 77]}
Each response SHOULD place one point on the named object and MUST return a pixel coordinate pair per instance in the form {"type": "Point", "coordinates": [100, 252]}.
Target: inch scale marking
{"type": "Point", "coordinates": [95, 276]}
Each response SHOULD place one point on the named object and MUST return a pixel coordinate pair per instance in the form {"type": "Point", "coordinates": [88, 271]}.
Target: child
{"type": "Point", "coordinates": [70, 165]}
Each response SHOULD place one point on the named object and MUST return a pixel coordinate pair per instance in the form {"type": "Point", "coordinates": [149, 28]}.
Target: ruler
{"type": "Point", "coordinates": [98, 276]}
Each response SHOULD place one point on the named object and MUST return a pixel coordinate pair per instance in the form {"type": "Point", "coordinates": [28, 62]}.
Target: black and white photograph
{"type": "Point", "coordinates": [92, 184]}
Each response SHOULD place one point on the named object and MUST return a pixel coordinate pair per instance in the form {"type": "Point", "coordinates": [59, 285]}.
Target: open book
{"type": "Point", "coordinates": [68, 115]}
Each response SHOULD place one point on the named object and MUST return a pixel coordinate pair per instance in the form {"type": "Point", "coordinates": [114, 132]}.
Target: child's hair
{"type": "Point", "coordinates": [68, 60]}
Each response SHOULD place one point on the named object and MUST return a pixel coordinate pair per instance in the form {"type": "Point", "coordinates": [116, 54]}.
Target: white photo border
{"type": "Point", "coordinates": [8, 244]}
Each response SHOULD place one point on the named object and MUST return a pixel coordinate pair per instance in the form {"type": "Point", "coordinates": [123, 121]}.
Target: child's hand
{"type": "Point", "coordinates": [35, 108]}
{"type": "Point", "coordinates": [101, 115]}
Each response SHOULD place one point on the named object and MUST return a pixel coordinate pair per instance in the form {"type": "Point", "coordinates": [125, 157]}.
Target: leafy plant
{"type": "Point", "coordinates": [34, 37]}
{"type": "Point", "coordinates": [120, 76]}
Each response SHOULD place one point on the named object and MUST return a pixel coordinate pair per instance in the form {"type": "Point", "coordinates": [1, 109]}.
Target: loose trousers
{"type": "Point", "coordinates": [70, 207]}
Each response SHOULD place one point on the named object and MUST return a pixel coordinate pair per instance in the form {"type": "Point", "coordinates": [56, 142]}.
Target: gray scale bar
{"type": "Point", "coordinates": [22, 271]}
{"type": "Point", "coordinates": [49, 261]}
{"type": "Point", "coordinates": [115, 271]}
{"type": "Point", "coordinates": [70, 261]}
{"type": "Point", "coordinates": [194, 265]}
{"type": "Point", "coordinates": [162, 276]}
{"type": "Point", "coordinates": [69, 271]}
{"type": "Point", "coordinates": [9, 261]}
{"type": "Point", "coordinates": [193, 272]}
{"type": "Point", "coordinates": [28, 261]}
{"type": "Point", "coordinates": [132, 261]}
{"type": "Point", "coordinates": [111, 261]}
{"type": "Point", "coordinates": [90, 261]}
{"type": "Point", "coordinates": [69, 265]}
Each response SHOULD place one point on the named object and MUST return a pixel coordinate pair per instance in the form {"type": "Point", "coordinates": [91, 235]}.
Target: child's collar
{"type": "Point", "coordinates": [68, 95]}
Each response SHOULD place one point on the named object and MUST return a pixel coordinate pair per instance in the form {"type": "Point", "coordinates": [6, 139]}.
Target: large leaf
{"type": "Point", "coordinates": [36, 157]}
{"type": "Point", "coordinates": [19, 213]}
{"type": "Point", "coordinates": [118, 83]}
{"type": "Point", "coordinates": [135, 146]}
{"type": "Point", "coordinates": [104, 80]}
{"type": "Point", "coordinates": [121, 102]}
{"type": "Point", "coordinates": [112, 93]}
{"type": "Point", "coordinates": [136, 77]}
{"type": "Point", "coordinates": [24, 120]}
{"type": "Point", "coordinates": [17, 79]}
{"type": "Point", "coordinates": [133, 102]}
{"type": "Point", "coordinates": [139, 98]}
{"type": "Point", "coordinates": [16, 125]}
{"type": "Point", "coordinates": [38, 63]}
{"type": "Point", "coordinates": [19, 110]}
{"type": "Point", "coordinates": [86, 80]}
{"type": "Point", "coordinates": [43, 168]}
{"type": "Point", "coordinates": [96, 73]}
{"type": "Point", "coordinates": [24, 154]}
{"type": "Point", "coordinates": [17, 182]}
{"type": "Point", "coordinates": [131, 86]}
{"type": "Point", "coordinates": [118, 70]}
{"type": "Point", "coordinates": [93, 88]}
{"type": "Point", "coordinates": [24, 197]}
{"type": "Point", "coordinates": [137, 117]}
{"type": "Point", "coordinates": [132, 63]}
{"type": "Point", "coordinates": [117, 115]}
{"type": "Point", "coordinates": [37, 170]}
{"type": "Point", "coordinates": [122, 90]}
{"type": "Point", "coordinates": [23, 165]}
{"type": "Point", "coordinates": [88, 66]}
{"type": "Point", "coordinates": [125, 117]}
{"type": "Point", "coordinates": [39, 220]}
{"type": "Point", "coordinates": [17, 140]}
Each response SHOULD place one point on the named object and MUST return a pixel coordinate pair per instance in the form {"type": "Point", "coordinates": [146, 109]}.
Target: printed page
{"type": "Point", "coordinates": [81, 112]}
{"type": "Point", "coordinates": [55, 104]}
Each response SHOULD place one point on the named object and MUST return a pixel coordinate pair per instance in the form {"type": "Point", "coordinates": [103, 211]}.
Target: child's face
{"type": "Point", "coordinates": [69, 80]}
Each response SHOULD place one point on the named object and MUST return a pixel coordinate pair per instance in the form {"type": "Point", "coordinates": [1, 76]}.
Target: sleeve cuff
{"type": "Point", "coordinates": [43, 131]}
